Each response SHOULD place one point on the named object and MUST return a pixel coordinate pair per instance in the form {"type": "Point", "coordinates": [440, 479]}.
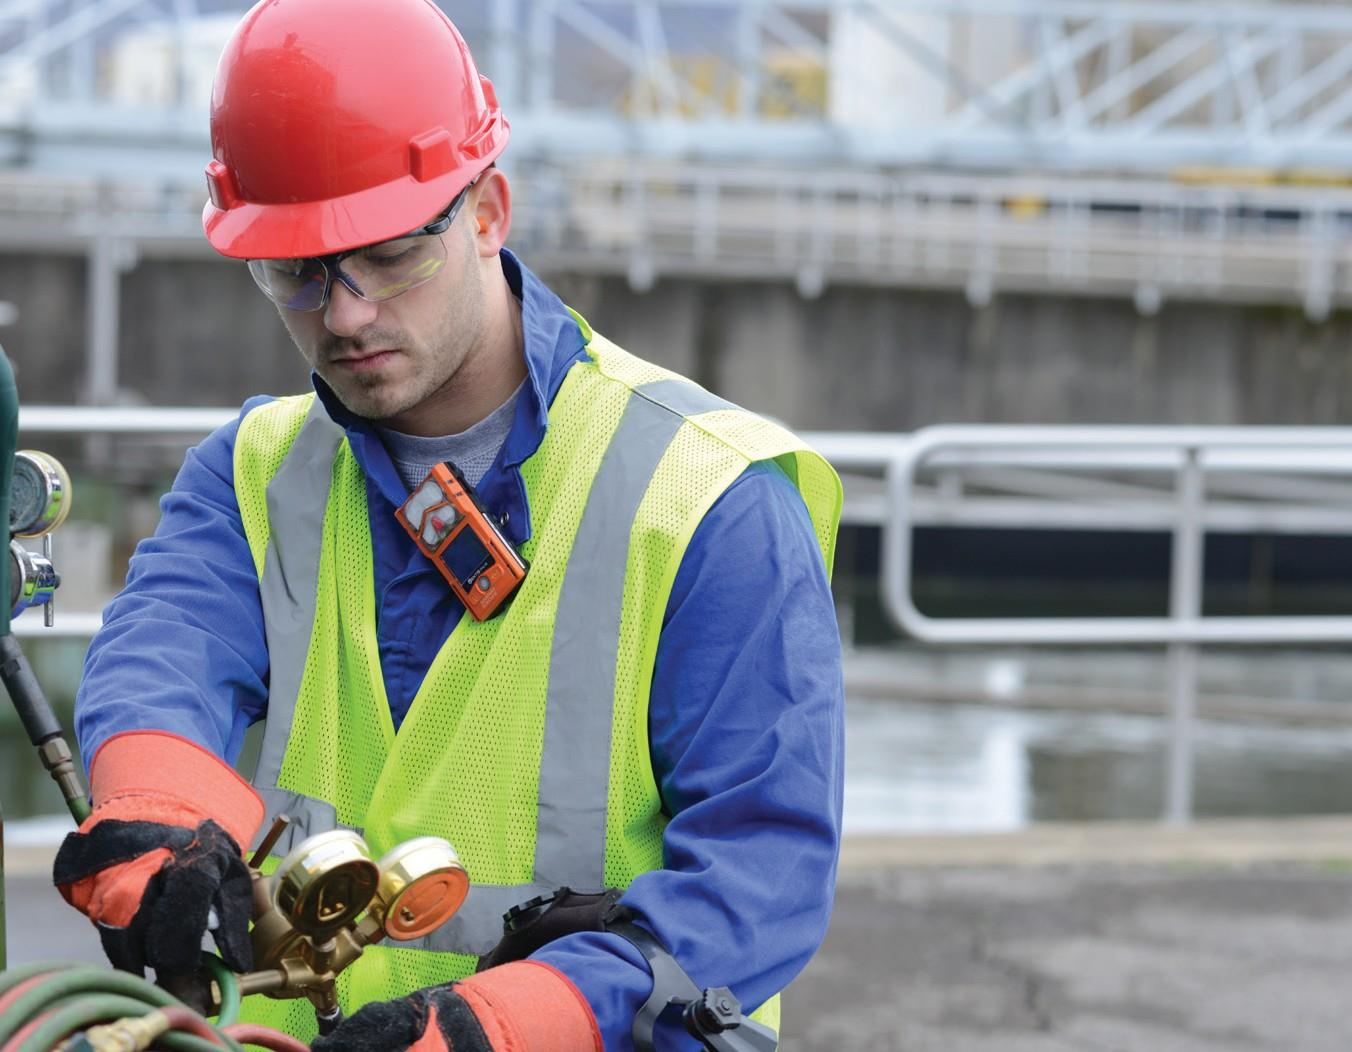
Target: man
{"type": "Point", "coordinates": [658, 706]}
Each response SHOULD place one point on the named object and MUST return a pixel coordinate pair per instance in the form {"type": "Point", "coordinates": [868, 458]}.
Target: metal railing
{"type": "Point", "coordinates": [36, 421]}
{"type": "Point", "coordinates": [1101, 474]}
{"type": "Point", "coordinates": [1146, 240]}
{"type": "Point", "coordinates": [1184, 481]}
{"type": "Point", "coordinates": [1150, 241]}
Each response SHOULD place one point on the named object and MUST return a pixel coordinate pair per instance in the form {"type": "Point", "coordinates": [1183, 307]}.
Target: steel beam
{"type": "Point", "coordinates": [1083, 84]}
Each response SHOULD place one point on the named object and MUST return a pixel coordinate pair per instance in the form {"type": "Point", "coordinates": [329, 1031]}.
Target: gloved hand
{"type": "Point", "coordinates": [160, 850]}
{"type": "Point", "coordinates": [525, 1006]}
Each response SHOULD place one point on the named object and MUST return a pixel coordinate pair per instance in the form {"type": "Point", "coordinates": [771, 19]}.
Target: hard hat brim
{"type": "Point", "coordinates": [317, 228]}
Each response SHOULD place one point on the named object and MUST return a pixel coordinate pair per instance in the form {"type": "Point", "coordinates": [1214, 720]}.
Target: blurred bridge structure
{"type": "Point", "coordinates": [1147, 150]}
{"type": "Point", "coordinates": [1138, 150]}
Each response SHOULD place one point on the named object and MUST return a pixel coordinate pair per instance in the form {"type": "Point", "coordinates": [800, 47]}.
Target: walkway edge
{"type": "Point", "coordinates": [1220, 842]}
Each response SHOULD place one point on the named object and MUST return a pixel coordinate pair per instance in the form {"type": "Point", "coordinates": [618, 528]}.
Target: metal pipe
{"type": "Point", "coordinates": [1185, 604]}
{"type": "Point", "coordinates": [104, 307]}
{"type": "Point", "coordinates": [42, 727]}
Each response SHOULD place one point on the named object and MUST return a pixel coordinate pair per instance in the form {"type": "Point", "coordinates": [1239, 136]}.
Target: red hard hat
{"type": "Point", "coordinates": [337, 123]}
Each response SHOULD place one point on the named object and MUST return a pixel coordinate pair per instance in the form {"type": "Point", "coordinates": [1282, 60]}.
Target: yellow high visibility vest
{"type": "Point", "coordinates": [526, 745]}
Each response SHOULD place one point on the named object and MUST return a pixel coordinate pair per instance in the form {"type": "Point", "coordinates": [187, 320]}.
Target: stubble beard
{"type": "Point", "coordinates": [414, 375]}
{"type": "Point", "coordinates": [421, 372]}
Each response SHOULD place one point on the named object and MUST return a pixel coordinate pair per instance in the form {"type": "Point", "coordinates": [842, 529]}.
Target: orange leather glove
{"type": "Point", "coordinates": [525, 1006]}
{"type": "Point", "coordinates": [160, 851]}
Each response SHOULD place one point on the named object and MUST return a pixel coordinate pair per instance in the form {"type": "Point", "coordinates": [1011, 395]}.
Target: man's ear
{"type": "Point", "coordinates": [492, 214]}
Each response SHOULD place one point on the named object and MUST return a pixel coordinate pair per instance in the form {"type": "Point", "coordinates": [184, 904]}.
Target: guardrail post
{"type": "Point", "coordinates": [1185, 605]}
{"type": "Point", "coordinates": [108, 258]}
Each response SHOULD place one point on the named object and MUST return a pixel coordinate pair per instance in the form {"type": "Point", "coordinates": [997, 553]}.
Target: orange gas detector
{"type": "Point", "coordinates": [463, 541]}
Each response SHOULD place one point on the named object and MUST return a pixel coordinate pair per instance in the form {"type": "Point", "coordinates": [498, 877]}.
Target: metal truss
{"type": "Point", "coordinates": [1146, 240]}
{"type": "Point", "coordinates": [1050, 84]}
{"type": "Point", "coordinates": [821, 141]}
{"type": "Point", "coordinates": [1149, 241]}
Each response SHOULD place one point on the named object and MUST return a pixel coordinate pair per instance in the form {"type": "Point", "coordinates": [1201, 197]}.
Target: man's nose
{"type": "Point", "coordinates": [347, 313]}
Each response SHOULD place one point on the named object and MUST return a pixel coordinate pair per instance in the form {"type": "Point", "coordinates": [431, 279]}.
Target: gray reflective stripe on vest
{"type": "Point", "coordinates": [574, 772]}
{"type": "Point", "coordinates": [684, 397]}
{"type": "Point", "coordinates": [297, 498]}
{"type": "Point", "coordinates": [574, 764]}
{"type": "Point", "coordinates": [477, 926]}
{"type": "Point", "coordinates": [308, 817]}
{"type": "Point", "coordinates": [570, 839]}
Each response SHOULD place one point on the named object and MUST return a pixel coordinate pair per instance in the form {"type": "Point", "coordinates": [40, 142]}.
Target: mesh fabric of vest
{"type": "Point", "coordinates": [465, 762]}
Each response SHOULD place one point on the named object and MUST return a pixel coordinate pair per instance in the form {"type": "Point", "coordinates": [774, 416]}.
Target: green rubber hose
{"type": "Point", "coordinates": [64, 999]}
{"type": "Point", "coordinates": [12, 978]}
{"type": "Point", "coordinates": [78, 981]}
{"type": "Point", "coordinates": [176, 1041]}
{"type": "Point", "coordinates": [108, 1008]}
{"type": "Point", "coordinates": [229, 984]}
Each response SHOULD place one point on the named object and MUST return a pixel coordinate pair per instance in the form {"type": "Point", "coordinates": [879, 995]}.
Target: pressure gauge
{"type": "Point", "coordinates": [422, 884]}
{"type": "Point", "coordinates": [326, 882]}
{"type": "Point", "coordinates": [39, 495]}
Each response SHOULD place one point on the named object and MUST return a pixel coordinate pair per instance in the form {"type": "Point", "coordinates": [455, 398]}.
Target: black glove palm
{"type": "Point", "coordinates": [393, 1026]}
{"type": "Point", "coordinates": [204, 872]}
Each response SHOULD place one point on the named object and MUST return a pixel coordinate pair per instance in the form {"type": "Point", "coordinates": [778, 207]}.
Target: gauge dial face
{"type": "Point", "coordinates": [422, 885]}
{"type": "Point", "coordinates": [39, 495]}
{"type": "Point", "coordinates": [326, 882]}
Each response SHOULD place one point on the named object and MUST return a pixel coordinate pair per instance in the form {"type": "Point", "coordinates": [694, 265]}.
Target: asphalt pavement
{"type": "Point", "coordinates": [1224, 937]}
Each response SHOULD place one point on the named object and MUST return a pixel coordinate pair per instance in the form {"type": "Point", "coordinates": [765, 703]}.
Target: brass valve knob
{"type": "Point", "coordinates": [325, 883]}
{"type": "Point", "coordinates": [422, 884]}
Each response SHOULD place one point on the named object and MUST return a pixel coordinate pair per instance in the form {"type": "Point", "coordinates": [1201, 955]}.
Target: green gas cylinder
{"type": "Point", "coordinates": [9, 433]}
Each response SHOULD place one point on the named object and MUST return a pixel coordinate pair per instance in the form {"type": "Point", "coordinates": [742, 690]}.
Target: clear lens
{"type": "Point", "coordinates": [383, 271]}
{"type": "Point", "coordinates": [297, 284]}
{"type": "Point", "coordinates": [376, 272]}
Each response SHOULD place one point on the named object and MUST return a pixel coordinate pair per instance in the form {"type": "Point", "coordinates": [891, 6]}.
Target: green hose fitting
{"type": "Point", "coordinates": [68, 1018]}
{"type": "Point", "coordinates": [133, 1034]}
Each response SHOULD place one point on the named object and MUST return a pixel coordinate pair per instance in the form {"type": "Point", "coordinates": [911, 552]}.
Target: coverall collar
{"type": "Point", "coordinates": [553, 343]}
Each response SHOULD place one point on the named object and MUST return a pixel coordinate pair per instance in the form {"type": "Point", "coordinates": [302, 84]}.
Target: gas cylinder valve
{"type": "Point", "coordinates": [33, 579]}
{"type": "Point", "coordinates": [39, 501]}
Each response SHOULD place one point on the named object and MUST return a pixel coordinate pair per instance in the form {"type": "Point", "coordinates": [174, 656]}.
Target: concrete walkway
{"type": "Point", "coordinates": [1225, 937]}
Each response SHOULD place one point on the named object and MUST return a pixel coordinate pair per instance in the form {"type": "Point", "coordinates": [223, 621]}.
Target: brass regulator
{"type": "Point", "coordinates": [328, 899]}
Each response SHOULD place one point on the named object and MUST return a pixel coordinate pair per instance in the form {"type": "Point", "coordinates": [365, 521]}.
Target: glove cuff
{"type": "Point", "coordinates": [532, 1006]}
{"type": "Point", "coordinates": [162, 777]}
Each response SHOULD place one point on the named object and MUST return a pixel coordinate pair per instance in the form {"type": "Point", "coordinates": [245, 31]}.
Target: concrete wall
{"type": "Point", "coordinates": [46, 342]}
{"type": "Point", "coordinates": [877, 359]}
{"type": "Point", "coordinates": [197, 333]}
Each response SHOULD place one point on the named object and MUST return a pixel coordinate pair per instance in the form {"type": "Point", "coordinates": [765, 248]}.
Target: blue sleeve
{"type": "Point", "coordinates": [182, 647]}
{"type": "Point", "coordinates": [746, 725]}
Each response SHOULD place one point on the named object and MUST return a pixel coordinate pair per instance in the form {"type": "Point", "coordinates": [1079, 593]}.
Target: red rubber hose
{"type": "Point", "coordinates": [186, 1019]}
{"type": "Point", "coordinates": [266, 1037]}
{"type": "Point", "coordinates": [22, 989]}
{"type": "Point", "coordinates": [22, 1034]}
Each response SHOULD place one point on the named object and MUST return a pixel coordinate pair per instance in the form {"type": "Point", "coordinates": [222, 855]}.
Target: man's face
{"type": "Point", "coordinates": [384, 359]}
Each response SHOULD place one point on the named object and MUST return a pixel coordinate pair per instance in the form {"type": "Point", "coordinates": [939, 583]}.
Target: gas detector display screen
{"type": "Point", "coordinates": [466, 556]}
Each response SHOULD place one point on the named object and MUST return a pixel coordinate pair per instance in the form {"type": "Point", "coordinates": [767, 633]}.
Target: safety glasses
{"type": "Point", "coordinates": [374, 272]}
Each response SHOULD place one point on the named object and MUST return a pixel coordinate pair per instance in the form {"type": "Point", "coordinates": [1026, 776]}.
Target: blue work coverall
{"type": "Point", "coordinates": [745, 716]}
